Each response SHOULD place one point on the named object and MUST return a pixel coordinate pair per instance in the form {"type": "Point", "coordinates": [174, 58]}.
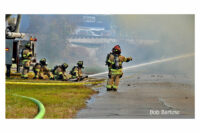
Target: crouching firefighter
{"type": "Point", "coordinates": [114, 61]}
{"type": "Point", "coordinates": [40, 69]}
{"type": "Point", "coordinates": [76, 72]}
{"type": "Point", "coordinates": [26, 56]}
{"type": "Point", "coordinates": [60, 72]}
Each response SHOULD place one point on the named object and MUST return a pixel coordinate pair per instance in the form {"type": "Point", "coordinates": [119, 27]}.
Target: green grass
{"type": "Point", "coordinates": [59, 101]}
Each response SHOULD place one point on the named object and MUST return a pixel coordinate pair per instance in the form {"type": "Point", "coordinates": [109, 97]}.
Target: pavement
{"type": "Point", "coordinates": [143, 96]}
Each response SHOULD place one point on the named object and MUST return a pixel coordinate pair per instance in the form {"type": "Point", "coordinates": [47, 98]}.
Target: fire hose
{"type": "Point", "coordinates": [66, 84]}
{"type": "Point", "coordinates": [41, 108]}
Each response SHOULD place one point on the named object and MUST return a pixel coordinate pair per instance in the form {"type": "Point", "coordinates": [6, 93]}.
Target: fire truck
{"type": "Point", "coordinates": [15, 43]}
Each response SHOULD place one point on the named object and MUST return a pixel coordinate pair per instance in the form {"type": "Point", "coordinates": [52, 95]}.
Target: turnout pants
{"type": "Point", "coordinates": [113, 81]}
{"type": "Point", "coordinates": [26, 66]}
{"type": "Point", "coordinates": [45, 71]}
{"type": "Point", "coordinates": [37, 71]}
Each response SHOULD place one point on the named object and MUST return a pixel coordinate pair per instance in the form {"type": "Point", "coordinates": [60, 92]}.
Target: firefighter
{"type": "Point", "coordinates": [36, 70]}
{"type": "Point", "coordinates": [60, 72]}
{"type": "Point", "coordinates": [76, 72]}
{"type": "Point", "coordinates": [41, 69]}
{"type": "Point", "coordinates": [26, 60]}
{"type": "Point", "coordinates": [114, 61]}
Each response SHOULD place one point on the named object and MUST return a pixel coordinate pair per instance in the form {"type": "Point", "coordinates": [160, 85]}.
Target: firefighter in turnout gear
{"type": "Point", "coordinates": [60, 72]}
{"type": "Point", "coordinates": [114, 61]}
{"type": "Point", "coordinates": [26, 60]}
{"type": "Point", "coordinates": [76, 72]}
{"type": "Point", "coordinates": [41, 69]}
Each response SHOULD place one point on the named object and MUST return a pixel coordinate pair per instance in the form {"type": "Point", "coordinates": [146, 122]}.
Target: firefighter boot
{"type": "Point", "coordinates": [110, 83]}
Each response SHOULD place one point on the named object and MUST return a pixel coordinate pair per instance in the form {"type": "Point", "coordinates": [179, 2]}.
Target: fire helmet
{"type": "Point", "coordinates": [80, 63]}
{"type": "Point", "coordinates": [43, 61]}
{"type": "Point", "coordinates": [116, 49]}
{"type": "Point", "coordinates": [65, 65]}
{"type": "Point", "coordinates": [28, 45]}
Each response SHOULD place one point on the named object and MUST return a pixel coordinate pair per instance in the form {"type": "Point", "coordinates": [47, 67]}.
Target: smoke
{"type": "Point", "coordinates": [168, 34]}
{"type": "Point", "coordinates": [51, 32]}
{"type": "Point", "coordinates": [144, 37]}
{"type": "Point", "coordinates": [157, 37]}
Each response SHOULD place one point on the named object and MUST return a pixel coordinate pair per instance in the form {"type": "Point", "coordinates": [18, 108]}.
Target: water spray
{"type": "Point", "coordinates": [149, 63]}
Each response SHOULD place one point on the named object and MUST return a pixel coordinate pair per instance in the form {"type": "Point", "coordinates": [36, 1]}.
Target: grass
{"type": "Point", "coordinates": [59, 101]}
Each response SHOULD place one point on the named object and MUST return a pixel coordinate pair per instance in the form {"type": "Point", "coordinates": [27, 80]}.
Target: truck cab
{"type": "Point", "coordinates": [14, 49]}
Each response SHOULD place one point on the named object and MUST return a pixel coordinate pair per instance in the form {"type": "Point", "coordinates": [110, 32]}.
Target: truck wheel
{"type": "Point", "coordinates": [8, 67]}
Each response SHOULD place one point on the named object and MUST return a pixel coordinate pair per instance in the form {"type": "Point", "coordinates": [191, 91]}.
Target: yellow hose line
{"type": "Point", "coordinates": [67, 84]}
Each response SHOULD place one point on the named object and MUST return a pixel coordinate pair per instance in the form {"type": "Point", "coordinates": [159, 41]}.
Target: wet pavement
{"type": "Point", "coordinates": [143, 96]}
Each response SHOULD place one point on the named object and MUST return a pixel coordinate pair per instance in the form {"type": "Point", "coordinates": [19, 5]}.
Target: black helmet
{"type": "Point", "coordinates": [43, 61]}
{"type": "Point", "coordinates": [80, 63]}
{"type": "Point", "coordinates": [65, 65]}
{"type": "Point", "coordinates": [28, 45]}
